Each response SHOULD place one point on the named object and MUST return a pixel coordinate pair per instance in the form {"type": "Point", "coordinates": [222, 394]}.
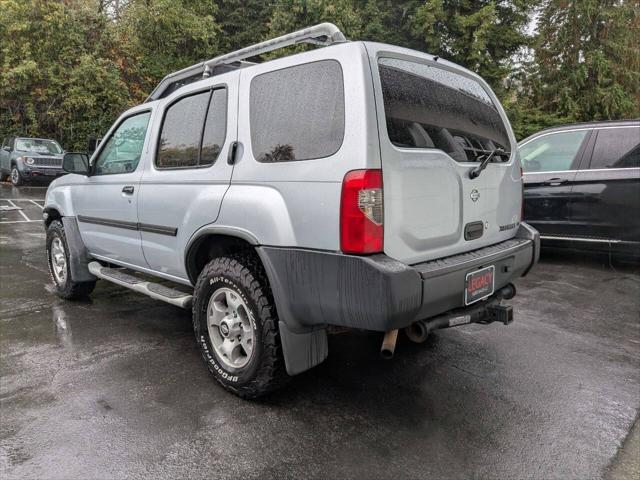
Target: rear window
{"type": "Point", "coordinates": [428, 107]}
{"type": "Point", "coordinates": [297, 113]}
{"type": "Point", "coordinates": [617, 148]}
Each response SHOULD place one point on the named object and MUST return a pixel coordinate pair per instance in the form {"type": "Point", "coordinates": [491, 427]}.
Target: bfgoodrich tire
{"type": "Point", "coordinates": [235, 325]}
{"type": "Point", "coordinates": [59, 269]}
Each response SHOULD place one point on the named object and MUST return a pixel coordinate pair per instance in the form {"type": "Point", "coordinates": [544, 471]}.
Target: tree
{"type": "Point", "coordinates": [157, 37]}
{"type": "Point", "coordinates": [482, 35]}
{"type": "Point", "coordinates": [587, 60]}
{"type": "Point", "coordinates": [243, 22]}
{"type": "Point", "coordinates": [56, 77]}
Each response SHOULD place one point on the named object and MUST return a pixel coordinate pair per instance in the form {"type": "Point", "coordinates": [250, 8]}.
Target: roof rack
{"type": "Point", "coordinates": [321, 34]}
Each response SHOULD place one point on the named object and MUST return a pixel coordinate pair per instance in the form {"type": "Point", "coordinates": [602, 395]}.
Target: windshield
{"type": "Point", "coordinates": [37, 145]}
{"type": "Point", "coordinates": [429, 107]}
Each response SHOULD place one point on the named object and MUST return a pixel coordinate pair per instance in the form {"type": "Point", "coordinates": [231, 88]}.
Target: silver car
{"type": "Point", "coordinates": [357, 185]}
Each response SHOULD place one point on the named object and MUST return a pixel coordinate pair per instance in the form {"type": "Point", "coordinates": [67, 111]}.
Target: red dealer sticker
{"type": "Point", "coordinates": [479, 284]}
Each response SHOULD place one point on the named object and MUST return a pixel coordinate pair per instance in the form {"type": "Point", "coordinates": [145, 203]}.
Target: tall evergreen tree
{"type": "Point", "coordinates": [587, 59]}
{"type": "Point", "coordinates": [482, 35]}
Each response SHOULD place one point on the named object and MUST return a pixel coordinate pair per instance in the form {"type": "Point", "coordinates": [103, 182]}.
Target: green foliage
{"type": "Point", "coordinates": [587, 59]}
{"type": "Point", "coordinates": [68, 68]}
{"type": "Point", "coordinates": [55, 81]}
{"type": "Point", "coordinates": [156, 37]}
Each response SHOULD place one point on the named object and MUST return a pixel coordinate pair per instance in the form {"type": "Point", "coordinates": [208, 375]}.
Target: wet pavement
{"type": "Point", "coordinates": [114, 387]}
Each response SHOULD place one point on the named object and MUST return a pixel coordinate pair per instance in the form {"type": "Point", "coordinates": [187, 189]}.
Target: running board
{"type": "Point", "coordinates": [153, 290]}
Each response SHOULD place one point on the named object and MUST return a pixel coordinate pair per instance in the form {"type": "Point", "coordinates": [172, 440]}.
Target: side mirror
{"type": "Point", "coordinates": [6, 148]}
{"type": "Point", "coordinates": [74, 162]}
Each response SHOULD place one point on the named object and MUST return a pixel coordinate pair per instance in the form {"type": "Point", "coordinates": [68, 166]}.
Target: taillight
{"type": "Point", "coordinates": [361, 212]}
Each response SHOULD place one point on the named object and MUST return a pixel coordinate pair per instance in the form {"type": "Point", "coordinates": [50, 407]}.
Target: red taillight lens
{"type": "Point", "coordinates": [361, 212]}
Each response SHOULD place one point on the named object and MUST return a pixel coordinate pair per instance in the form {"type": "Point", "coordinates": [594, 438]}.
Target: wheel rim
{"type": "Point", "coordinates": [15, 176]}
{"type": "Point", "coordinates": [229, 322]}
{"type": "Point", "coordinates": [58, 260]}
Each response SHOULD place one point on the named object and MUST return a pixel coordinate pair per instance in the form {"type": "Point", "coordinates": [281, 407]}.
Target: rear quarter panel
{"type": "Point", "coordinates": [297, 203]}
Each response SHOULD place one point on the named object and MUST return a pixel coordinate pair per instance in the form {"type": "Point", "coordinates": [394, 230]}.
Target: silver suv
{"type": "Point", "coordinates": [359, 185]}
{"type": "Point", "coordinates": [24, 159]}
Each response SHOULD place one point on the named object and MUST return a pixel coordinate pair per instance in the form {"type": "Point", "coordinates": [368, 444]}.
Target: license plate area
{"type": "Point", "coordinates": [479, 284]}
{"type": "Point", "coordinates": [50, 173]}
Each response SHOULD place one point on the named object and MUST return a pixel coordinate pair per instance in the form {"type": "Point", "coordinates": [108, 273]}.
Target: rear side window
{"type": "Point", "coordinates": [554, 152]}
{"type": "Point", "coordinates": [297, 113]}
{"type": "Point", "coordinates": [186, 139]}
{"type": "Point", "coordinates": [428, 107]}
{"type": "Point", "coordinates": [617, 148]}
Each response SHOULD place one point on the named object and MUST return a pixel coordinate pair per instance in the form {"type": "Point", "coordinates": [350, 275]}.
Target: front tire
{"type": "Point", "coordinates": [16, 178]}
{"type": "Point", "coordinates": [235, 324]}
{"type": "Point", "coordinates": [59, 265]}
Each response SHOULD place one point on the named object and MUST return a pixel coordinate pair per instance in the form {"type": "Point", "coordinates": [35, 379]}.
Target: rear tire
{"type": "Point", "coordinates": [236, 326]}
{"type": "Point", "coordinates": [16, 178]}
{"type": "Point", "coordinates": [3, 176]}
{"type": "Point", "coordinates": [59, 265]}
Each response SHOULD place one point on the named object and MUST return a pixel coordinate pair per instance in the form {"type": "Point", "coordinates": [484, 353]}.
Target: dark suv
{"type": "Point", "coordinates": [582, 185]}
{"type": "Point", "coordinates": [23, 159]}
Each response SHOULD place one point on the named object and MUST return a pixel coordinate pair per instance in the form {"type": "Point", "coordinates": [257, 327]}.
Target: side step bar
{"type": "Point", "coordinates": [153, 290]}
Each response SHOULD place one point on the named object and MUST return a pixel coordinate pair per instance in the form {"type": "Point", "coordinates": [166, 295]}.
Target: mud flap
{"type": "Point", "coordinates": [78, 256]}
{"type": "Point", "coordinates": [303, 350]}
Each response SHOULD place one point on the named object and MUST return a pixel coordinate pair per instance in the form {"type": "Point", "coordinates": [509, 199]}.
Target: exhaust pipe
{"type": "Point", "coordinates": [417, 332]}
{"type": "Point", "coordinates": [389, 344]}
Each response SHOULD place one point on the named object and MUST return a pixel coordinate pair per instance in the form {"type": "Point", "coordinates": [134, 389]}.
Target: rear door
{"type": "Point", "coordinates": [606, 194]}
{"type": "Point", "coordinates": [188, 173]}
{"type": "Point", "coordinates": [550, 161]}
{"type": "Point", "coordinates": [437, 122]}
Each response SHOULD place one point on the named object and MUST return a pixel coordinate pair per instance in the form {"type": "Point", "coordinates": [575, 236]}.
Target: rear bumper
{"type": "Point", "coordinates": [313, 289]}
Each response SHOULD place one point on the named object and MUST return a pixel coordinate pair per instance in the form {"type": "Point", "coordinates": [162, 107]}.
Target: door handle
{"type": "Point", "coordinates": [556, 181]}
{"type": "Point", "coordinates": [233, 151]}
{"type": "Point", "coordinates": [128, 190]}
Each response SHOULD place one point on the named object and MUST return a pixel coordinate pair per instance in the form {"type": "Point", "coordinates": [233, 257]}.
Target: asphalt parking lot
{"type": "Point", "coordinates": [114, 387]}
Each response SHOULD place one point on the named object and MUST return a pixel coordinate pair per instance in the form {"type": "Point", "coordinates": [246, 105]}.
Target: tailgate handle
{"type": "Point", "coordinates": [556, 181]}
{"type": "Point", "coordinates": [473, 230]}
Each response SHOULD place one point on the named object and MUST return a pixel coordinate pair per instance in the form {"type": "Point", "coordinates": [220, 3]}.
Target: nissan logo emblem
{"type": "Point", "coordinates": [475, 195]}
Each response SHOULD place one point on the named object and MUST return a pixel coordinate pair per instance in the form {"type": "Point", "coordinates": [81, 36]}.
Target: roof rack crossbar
{"type": "Point", "coordinates": [321, 34]}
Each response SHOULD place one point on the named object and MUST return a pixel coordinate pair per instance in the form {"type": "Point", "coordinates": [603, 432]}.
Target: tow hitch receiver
{"type": "Point", "coordinates": [488, 311]}
{"type": "Point", "coordinates": [500, 313]}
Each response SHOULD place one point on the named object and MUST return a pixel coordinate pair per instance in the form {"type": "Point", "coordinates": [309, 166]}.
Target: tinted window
{"type": "Point", "coordinates": [428, 107]}
{"type": "Point", "coordinates": [553, 152]}
{"type": "Point", "coordinates": [215, 128]}
{"type": "Point", "coordinates": [179, 144]}
{"type": "Point", "coordinates": [297, 113]}
{"type": "Point", "coordinates": [122, 151]}
{"type": "Point", "coordinates": [617, 148]}
{"type": "Point", "coordinates": [186, 141]}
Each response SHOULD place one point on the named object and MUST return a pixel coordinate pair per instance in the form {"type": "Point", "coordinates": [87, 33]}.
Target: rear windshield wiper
{"type": "Point", "coordinates": [496, 152]}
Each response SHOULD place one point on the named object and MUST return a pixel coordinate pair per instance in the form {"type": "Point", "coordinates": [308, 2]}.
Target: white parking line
{"type": "Point", "coordinates": [11, 201]}
{"type": "Point", "coordinates": [19, 211]}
